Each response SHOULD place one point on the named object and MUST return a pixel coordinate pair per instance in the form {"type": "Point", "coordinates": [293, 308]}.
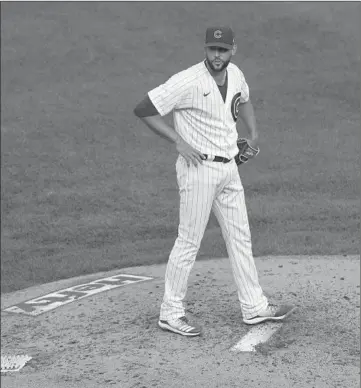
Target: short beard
{"type": "Point", "coordinates": [210, 65]}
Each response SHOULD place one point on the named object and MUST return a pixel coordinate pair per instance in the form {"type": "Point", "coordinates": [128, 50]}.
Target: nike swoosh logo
{"type": "Point", "coordinates": [206, 94]}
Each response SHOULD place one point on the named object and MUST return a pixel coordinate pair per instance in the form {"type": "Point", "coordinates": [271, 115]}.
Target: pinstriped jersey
{"type": "Point", "coordinates": [201, 116]}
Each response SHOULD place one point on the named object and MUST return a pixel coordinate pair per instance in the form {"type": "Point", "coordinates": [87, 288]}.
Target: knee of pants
{"type": "Point", "coordinates": [186, 246]}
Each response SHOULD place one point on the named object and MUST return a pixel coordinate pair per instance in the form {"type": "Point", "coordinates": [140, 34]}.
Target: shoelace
{"type": "Point", "coordinates": [273, 308]}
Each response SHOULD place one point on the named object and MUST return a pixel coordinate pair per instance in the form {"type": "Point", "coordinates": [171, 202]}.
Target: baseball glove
{"type": "Point", "coordinates": [246, 152]}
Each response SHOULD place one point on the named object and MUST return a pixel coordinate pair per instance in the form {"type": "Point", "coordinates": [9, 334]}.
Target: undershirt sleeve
{"type": "Point", "coordinates": [145, 108]}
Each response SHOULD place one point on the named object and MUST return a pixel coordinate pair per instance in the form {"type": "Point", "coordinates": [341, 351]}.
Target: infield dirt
{"type": "Point", "coordinates": [112, 339]}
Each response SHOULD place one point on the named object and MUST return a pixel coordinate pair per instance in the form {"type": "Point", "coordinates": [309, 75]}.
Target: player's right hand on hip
{"type": "Point", "coordinates": [190, 154]}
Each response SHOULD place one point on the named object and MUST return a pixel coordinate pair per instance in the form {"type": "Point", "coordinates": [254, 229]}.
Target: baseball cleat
{"type": "Point", "coordinates": [271, 313]}
{"type": "Point", "coordinates": [180, 326]}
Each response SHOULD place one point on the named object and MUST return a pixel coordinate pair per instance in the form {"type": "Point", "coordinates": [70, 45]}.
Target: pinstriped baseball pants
{"type": "Point", "coordinates": [218, 187]}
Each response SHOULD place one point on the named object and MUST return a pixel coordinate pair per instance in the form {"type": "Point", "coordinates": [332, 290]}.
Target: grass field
{"type": "Point", "coordinates": [86, 187]}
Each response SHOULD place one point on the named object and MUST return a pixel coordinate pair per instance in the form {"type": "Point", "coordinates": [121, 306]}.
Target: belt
{"type": "Point", "coordinates": [217, 158]}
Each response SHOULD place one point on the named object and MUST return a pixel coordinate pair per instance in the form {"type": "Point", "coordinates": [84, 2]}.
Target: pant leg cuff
{"type": "Point", "coordinates": [253, 312]}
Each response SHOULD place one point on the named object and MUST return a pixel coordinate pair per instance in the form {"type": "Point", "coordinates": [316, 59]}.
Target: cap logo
{"type": "Point", "coordinates": [217, 34]}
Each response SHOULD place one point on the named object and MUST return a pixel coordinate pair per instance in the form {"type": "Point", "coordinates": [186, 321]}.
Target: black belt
{"type": "Point", "coordinates": [218, 159]}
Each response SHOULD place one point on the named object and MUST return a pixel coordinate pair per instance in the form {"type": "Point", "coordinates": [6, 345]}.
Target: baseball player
{"type": "Point", "coordinates": [206, 101]}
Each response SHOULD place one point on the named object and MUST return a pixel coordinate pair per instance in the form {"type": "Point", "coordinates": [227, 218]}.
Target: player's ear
{"type": "Point", "coordinates": [234, 49]}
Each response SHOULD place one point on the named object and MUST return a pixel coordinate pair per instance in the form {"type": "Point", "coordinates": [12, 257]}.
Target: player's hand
{"type": "Point", "coordinates": [245, 151]}
{"type": "Point", "coordinates": [253, 142]}
{"type": "Point", "coordinates": [190, 154]}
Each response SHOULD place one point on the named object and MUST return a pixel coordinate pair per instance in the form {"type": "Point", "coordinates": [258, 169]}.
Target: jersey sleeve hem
{"type": "Point", "coordinates": [157, 105]}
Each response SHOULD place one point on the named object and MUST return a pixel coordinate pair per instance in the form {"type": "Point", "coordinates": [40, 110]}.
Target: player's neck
{"type": "Point", "coordinates": [219, 76]}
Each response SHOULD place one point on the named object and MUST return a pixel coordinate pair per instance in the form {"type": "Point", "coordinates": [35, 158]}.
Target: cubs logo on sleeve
{"type": "Point", "coordinates": [235, 105]}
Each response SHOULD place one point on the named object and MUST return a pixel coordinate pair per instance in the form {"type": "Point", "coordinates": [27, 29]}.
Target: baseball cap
{"type": "Point", "coordinates": [220, 37]}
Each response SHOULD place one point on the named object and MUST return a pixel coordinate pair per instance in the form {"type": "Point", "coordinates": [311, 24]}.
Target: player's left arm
{"type": "Point", "coordinates": [246, 112]}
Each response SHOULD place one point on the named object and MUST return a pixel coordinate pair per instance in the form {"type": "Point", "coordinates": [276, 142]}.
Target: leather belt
{"type": "Point", "coordinates": [217, 158]}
